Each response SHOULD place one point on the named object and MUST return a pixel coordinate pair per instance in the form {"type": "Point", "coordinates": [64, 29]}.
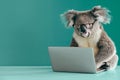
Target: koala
{"type": "Point", "coordinates": [89, 32]}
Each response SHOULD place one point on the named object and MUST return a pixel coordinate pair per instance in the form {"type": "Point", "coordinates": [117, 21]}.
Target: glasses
{"type": "Point", "coordinates": [88, 25]}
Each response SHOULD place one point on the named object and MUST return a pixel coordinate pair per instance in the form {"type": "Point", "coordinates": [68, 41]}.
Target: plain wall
{"type": "Point", "coordinates": [28, 27]}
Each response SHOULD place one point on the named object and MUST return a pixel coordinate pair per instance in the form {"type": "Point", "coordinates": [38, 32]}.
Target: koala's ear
{"type": "Point", "coordinates": [69, 18]}
{"type": "Point", "coordinates": [101, 14]}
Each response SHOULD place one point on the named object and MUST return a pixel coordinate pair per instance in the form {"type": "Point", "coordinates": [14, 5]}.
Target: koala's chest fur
{"type": "Point", "coordinates": [88, 42]}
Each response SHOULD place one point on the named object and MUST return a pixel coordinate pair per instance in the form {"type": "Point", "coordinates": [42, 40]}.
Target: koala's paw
{"type": "Point", "coordinates": [105, 66]}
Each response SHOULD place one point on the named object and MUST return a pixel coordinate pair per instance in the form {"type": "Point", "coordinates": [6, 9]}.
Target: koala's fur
{"type": "Point", "coordinates": [89, 32]}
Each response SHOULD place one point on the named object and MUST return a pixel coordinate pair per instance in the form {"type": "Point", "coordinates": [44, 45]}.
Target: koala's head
{"type": "Point", "coordinates": [85, 23]}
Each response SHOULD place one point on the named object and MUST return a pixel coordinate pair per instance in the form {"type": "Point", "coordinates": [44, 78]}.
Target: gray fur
{"type": "Point", "coordinates": [102, 12]}
{"type": "Point", "coordinates": [106, 50]}
{"type": "Point", "coordinates": [88, 25]}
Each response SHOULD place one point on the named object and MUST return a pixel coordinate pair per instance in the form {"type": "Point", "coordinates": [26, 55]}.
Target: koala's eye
{"type": "Point", "coordinates": [89, 25]}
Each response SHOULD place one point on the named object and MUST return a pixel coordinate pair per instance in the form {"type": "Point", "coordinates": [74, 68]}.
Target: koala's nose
{"type": "Point", "coordinates": [83, 29]}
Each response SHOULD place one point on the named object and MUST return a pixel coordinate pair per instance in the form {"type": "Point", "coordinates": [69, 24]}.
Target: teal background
{"type": "Point", "coordinates": [28, 27]}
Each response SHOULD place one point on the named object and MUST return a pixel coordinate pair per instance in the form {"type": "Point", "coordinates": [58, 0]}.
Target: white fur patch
{"type": "Point", "coordinates": [64, 21]}
{"type": "Point", "coordinates": [100, 18]}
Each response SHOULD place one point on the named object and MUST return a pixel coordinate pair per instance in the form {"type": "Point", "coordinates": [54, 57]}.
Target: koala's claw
{"type": "Point", "coordinates": [105, 66]}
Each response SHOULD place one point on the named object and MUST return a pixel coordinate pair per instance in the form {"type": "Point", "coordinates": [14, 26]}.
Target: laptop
{"type": "Point", "coordinates": [72, 59]}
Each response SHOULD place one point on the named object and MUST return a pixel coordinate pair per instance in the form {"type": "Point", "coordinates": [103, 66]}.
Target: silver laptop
{"type": "Point", "coordinates": [72, 59]}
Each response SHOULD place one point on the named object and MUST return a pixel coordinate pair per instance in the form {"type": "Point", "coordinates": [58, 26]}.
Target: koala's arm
{"type": "Point", "coordinates": [106, 50]}
{"type": "Point", "coordinates": [73, 43]}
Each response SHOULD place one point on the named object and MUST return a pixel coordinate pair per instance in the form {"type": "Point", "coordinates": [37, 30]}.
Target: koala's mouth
{"type": "Point", "coordinates": [87, 34]}
{"type": "Point", "coordinates": [83, 31]}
